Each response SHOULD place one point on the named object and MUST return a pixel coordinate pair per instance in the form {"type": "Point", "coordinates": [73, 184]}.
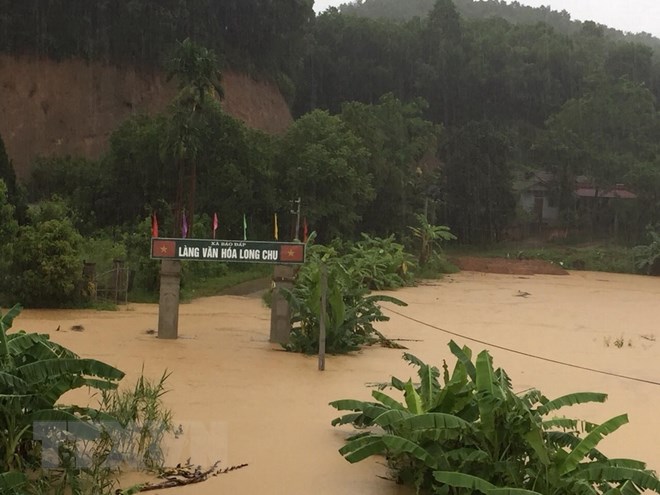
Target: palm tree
{"type": "Point", "coordinates": [196, 69]}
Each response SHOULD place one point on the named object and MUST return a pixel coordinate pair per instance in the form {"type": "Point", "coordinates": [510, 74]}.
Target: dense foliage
{"type": "Point", "coordinates": [467, 431]}
{"type": "Point", "coordinates": [513, 12]}
{"type": "Point", "coordinates": [44, 268]}
{"type": "Point", "coordinates": [251, 33]}
{"type": "Point", "coordinates": [513, 95]}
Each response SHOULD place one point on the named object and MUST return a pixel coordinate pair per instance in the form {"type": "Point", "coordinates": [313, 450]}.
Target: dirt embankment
{"type": "Point", "coordinates": [72, 107]}
{"type": "Point", "coordinates": [507, 266]}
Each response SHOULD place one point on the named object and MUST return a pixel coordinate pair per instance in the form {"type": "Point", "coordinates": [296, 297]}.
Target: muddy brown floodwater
{"type": "Point", "coordinates": [242, 400]}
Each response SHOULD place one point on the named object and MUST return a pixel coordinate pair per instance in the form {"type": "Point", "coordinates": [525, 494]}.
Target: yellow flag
{"type": "Point", "coordinates": [276, 229]}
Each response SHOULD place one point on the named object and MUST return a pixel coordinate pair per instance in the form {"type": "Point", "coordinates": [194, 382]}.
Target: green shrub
{"type": "Point", "coordinates": [647, 257]}
{"type": "Point", "coordinates": [467, 431]}
{"type": "Point", "coordinates": [45, 266]}
{"type": "Point", "coordinates": [437, 266]}
{"type": "Point", "coordinates": [378, 263]}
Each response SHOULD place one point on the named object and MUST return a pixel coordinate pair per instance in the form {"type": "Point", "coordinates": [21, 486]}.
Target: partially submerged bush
{"type": "Point", "coordinates": [468, 432]}
{"type": "Point", "coordinates": [350, 313]}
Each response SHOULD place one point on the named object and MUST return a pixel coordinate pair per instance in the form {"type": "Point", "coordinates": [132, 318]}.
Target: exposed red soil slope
{"type": "Point", "coordinates": [71, 107]}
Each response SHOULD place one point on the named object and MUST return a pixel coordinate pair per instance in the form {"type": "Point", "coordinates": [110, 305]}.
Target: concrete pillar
{"type": "Point", "coordinates": [168, 306]}
{"type": "Point", "coordinates": [280, 313]}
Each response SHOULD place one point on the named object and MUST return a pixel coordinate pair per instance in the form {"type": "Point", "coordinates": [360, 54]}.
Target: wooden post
{"type": "Point", "coordinates": [324, 290]}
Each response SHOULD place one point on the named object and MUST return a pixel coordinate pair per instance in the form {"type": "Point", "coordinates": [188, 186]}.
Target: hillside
{"type": "Point", "coordinates": [72, 106]}
{"type": "Point", "coordinates": [513, 12]}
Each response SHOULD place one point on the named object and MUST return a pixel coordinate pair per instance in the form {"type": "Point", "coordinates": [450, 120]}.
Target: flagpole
{"type": "Point", "coordinates": [297, 212]}
{"type": "Point", "coordinates": [244, 227]}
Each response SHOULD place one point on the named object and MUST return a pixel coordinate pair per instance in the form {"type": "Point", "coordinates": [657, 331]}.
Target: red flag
{"type": "Point", "coordinates": [305, 229]}
{"type": "Point", "coordinates": [215, 223]}
{"type": "Point", "coordinates": [154, 225]}
{"type": "Point", "coordinates": [292, 253]}
{"type": "Point", "coordinates": [163, 248]}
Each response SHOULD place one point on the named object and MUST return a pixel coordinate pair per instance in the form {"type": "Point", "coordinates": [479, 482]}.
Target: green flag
{"type": "Point", "coordinates": [244, 228]}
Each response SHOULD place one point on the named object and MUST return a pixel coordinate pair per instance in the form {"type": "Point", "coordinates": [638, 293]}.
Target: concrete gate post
{"type": "Point", "coordinates": [168, 306]}
{"type": "Point", "coordinates": [280, 313]}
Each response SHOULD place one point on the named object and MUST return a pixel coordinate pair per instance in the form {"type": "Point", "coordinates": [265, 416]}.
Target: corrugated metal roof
{"type": "Point", "coordinates": [592, 192]}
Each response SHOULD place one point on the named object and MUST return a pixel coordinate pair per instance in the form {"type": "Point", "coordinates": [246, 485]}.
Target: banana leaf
{"type": "Point", "coordinates": [642, 479]}
{"type": "Point", "coordinates": [511, 491]}
{"type": "Point", "coordinates": [392, 417]}
{"type": "Point", "coordinates": [465, 358]}
{"type": "Point", "coordinates": [435, 421]}
{"type": "Point", "coordinates": [461, 480]}
{"type": "Point", "coordinates": [569, 424]}
{"type": "Point", "coordinates": [590, 441]}
{"type": "Point", "coordinates": [7, 320]}
{"type": "Point", "coordinates": [413, 400]}
{"type": "Point", "coordinates": [11, 481]}
{"type": "Point", "coordinates": [570, 400]}
{"type": "Point", "coordinates": [9, 382]}
{"type": "Point", "coordinates": [398, 445]}
{"type": "Point", "coordinates": [40, 371]}
{"type": "Point", "coordinates": [361, 448]}
{"type": "Point", "coordinates": [387, 400]}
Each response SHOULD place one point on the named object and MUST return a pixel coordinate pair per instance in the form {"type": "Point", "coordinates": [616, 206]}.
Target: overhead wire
{"type": "Point", "coordinates": [522, 353]}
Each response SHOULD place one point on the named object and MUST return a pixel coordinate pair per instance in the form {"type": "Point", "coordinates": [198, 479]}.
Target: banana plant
{"type": "Point", "coordinates": [350, 314]}
{"type": "Point", "coordinates": [474, 434]}
{"type": "Point", "coordinates": [34, 374]}
{"type": "Point", "coordinates": [430, 237]}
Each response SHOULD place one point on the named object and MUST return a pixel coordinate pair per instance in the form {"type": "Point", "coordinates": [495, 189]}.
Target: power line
{"type": "Point", "coordinates": [521, 353]}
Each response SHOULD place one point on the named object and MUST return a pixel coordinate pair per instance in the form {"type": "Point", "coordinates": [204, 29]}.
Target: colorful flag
{"type": "Point", "coordinates": [305, 229]}
{"type": "Point", "coordinates": [163, 249]}
{"type": "Point", "coordinates": [154, 225]}
{"type": "Point", "coordinates": [276, 228]}
{"type": "Point", "coordinates": [292, 253]}
{"type": "Point", "coordinates": [184, 225]}
{"type": "Point", "coordinates": [244, 227]}
{"type": "Point", "coordinates": [215, 223]}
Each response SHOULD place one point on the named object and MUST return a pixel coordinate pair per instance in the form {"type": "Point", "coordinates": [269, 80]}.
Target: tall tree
{"type": "Point", "coordinates": [196, 70]}
{"type": "Point", "coordinates": [324, 164]}
{"type": "Point", "coordinates": [8, 230]}
{"type": "Point", "coordinates": [479, 196]}
{"type": "Point", "coordinates": [444, 47]}
{"type": "Point", "coordinates": [402, 146]}
{"type": "Point", "coordinates": [14, 191]}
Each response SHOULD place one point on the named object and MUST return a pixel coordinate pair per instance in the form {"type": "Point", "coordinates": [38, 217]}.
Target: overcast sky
{"type": "Point", "coordinates": [626, 15]}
